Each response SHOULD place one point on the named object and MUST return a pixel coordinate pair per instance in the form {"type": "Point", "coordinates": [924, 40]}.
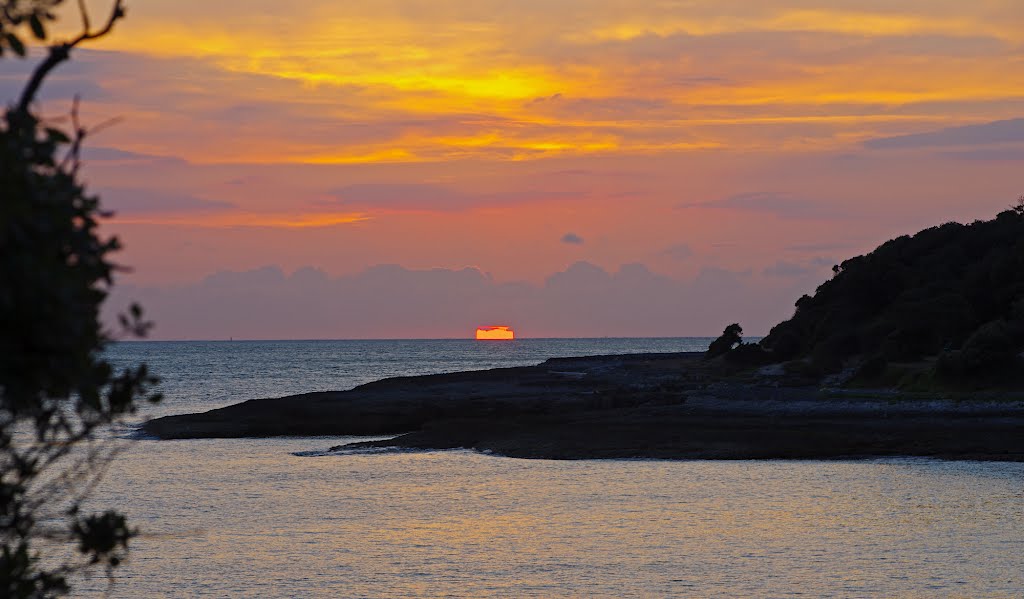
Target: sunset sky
{"type": "Point", "coordinates": [416, 169]}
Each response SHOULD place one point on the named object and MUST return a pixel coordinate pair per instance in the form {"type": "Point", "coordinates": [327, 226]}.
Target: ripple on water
{"type": "Point", "coordinates": [251, 518]}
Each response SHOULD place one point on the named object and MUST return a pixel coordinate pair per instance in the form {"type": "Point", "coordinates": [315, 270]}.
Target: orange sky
{"type": "Point", "coordinates": [764, 139]}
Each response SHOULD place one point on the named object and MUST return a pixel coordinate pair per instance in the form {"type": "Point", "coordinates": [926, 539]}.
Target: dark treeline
{"type": "Point", "coordinates": [951, 295]}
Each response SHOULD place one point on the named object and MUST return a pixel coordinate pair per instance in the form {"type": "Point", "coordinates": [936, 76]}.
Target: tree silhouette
{"type": "Point", "coordinates": [730, 338]}
{"type": "Point", "coordinates": [57, 393]}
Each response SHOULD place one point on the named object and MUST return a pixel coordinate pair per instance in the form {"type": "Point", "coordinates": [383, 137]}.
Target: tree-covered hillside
{"type": "Point", "coordinates": [954, 292]}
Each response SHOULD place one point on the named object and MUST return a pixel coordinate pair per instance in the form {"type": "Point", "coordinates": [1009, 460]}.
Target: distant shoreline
{"type": "Point", "coordinates": [666, 406]}
{"type": "Point", "coordinates": [392, 339]}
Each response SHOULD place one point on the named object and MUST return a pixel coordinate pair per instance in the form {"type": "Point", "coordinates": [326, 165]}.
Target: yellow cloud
{"type": "Point", "coordinates": [486, 69]}
{"type": "Point", "coordinates": [826, 21]}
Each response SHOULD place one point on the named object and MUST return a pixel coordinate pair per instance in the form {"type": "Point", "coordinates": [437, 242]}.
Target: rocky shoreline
{"type": "Point", "coordinates": [670, 406]}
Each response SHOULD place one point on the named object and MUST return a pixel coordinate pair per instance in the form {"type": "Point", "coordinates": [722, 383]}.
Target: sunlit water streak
{"type": "Point", "coordinates": [249, 518]}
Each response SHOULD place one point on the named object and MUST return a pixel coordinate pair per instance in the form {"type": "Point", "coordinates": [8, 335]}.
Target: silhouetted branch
{"type": "Point", "coordinates": [85, 15]}
{"type": "Point", "coordinates": [72, 160]}
{"type": "Point", "coordinates": [61, 52]}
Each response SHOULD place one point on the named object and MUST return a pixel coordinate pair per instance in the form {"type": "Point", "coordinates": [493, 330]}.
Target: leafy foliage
{"type": "Point", "coordinates": [736, 353]}
{"type": "Point", "coordinates": [954, 291]}
{"type": "Point", "coordinates": [16, 15]}
{"type": "Point", "coordinates": [730, 338]}
{"type": "Point", "coordinates": [57, 392]}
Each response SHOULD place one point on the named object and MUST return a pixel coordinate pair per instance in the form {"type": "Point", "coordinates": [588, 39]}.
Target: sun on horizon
{"type": "Point", "coordinates": [495, 333]}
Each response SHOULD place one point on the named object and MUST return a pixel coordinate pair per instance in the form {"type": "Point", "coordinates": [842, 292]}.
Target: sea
{"type": "Point", "coordinates": [282, 517]}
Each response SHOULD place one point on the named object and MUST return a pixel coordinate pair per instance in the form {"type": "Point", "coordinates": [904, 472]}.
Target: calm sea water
{"type": "Point", "coordinates": [250, 518]}
{"type": "Point", "coordinates": [202, 375]}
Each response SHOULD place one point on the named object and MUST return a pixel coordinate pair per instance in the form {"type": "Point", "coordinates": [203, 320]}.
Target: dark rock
{"type": "Point", "coordinates": [638, 406]}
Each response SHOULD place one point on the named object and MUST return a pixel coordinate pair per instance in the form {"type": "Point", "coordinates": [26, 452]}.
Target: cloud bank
{"type": "Point", "coordinates": [997, 132]}
{"type": "Point", "coordinates": [390, 301]}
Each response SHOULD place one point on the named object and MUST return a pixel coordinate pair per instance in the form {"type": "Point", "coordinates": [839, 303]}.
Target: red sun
{"type": "Point", "coordinates": [495, 333]}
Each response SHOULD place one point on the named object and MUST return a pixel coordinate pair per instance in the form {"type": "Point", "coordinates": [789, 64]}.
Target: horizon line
{"type": "Point", "coordinates": [233, 340]}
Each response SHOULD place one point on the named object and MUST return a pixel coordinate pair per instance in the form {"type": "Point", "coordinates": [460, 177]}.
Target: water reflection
{"type": "Point", "coordinates": [463, 524]}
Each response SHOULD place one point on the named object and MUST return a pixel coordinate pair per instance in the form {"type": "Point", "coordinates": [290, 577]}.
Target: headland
{"type": "Point", "coordinates": [662, 406]}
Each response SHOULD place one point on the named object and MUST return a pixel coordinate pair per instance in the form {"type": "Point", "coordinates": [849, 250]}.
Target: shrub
{"type": "Point", "coordinates": [990, 348]}
{"type": "Point", "coordinates": [730, 338]}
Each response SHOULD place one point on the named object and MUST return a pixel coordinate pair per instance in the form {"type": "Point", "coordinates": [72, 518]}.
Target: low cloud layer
{"type": "Point", "coordinates": [784, 268]}
{"type": "Point", "coordinates": [782, 205]}
{"type": "Point", "coordinates": [417, 197]}
{"type": "Point", "coordinates": [391, 301]}
{"type": "Point", "coordinates": [997, 132]}
{"type": "Point", "coordinates": [144, 201]}
{"type": "Point", "coordinates": [679, 251]}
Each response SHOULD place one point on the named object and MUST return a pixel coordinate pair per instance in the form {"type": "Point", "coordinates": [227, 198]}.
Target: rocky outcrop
{"type": "Point", "coordinates": [639, 406]}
